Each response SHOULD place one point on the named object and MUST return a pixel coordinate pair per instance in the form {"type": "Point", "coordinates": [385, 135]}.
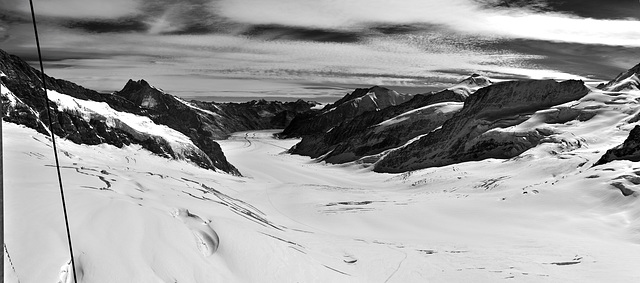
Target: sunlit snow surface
{"type": "Point", "coordinates": [546, 216]}
{"type": "Point", "coordinates": [140, 127]}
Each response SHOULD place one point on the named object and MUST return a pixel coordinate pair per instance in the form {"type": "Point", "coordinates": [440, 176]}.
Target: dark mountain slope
{"type": "Point", "coordinates": [24, 104]}
{"type": "Point", "coordinates": [462, 138]}
{"type": "Point", "coordinates": [357, 137]}
{"type": "Point", "coordinates": [356, 103]}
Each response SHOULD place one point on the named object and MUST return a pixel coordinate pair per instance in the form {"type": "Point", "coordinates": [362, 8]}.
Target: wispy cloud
{"type": "Point", "coordinates": [464, 16]}
{"type": "Point", "coordinates": [205, 47]}
{"type": "Point", "coordinates": [96, 9]}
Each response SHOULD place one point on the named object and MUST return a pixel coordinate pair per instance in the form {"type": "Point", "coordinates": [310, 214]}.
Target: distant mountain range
{"type": "Point", "coordinates": [138, 114]}
{"type": "Point", "coordinates": [471, 121]}
{"type": "Point", "coordinates": [393, 132]}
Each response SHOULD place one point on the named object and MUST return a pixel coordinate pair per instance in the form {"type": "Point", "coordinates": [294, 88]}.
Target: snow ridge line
{"type": "Point", "coordinates": [6, 251]}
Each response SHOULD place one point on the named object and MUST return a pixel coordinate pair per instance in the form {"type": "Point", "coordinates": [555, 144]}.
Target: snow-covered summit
{"type": "Point", "coordinates": [471, 84]}
{"type": "Point", "coordinates": [172, 143]}
{"type": "Point", "coordinates": [625, 81]}
{"type": "Point", "coordinates": [138, 114]}
{"type": "Point", "coordinates": [368, 99]}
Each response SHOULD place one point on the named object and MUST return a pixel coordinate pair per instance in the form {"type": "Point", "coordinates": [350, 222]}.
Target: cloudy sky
{"type": "Point", "coordinates": [321, 48]}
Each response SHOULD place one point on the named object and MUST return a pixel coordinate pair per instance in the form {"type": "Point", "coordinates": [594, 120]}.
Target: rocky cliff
{"type": "Point", "coordinates": [354, 104]}
{"type": "Point", "coordinates": [375, 131]}
{"type": "Point", "coordinates": [137, 114]}
{"type": "Point", "coordinates": [629, 150]}
{"type": "Point", "coordinates": [628, 80]}
{"type": "Point", "coordinates": [467, 136]}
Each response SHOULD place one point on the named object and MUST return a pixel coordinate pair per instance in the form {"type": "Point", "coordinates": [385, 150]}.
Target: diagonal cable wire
{"type": "Point", "coordinates": [53, 139]}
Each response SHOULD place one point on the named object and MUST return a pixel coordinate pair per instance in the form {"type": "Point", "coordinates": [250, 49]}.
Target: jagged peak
{"type": "Point", "coordinates": [142, 94]}
{"type": "Point", "coordinates": [358, 93]}
{"type": "Point", "coordinates": [629, 80]}
{"type": "Point", "coordinates": [471, 84]}
{"type": "Point", "coordinates": [477, 80]}
{"type": "Point", "coordinates": [377, 87]}
{"type": "Point", "coordinates": [136, 85]}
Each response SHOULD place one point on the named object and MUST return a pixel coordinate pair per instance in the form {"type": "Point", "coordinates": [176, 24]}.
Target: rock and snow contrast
{"type": "Point", "coordinates": [629, 80]}
{"type": "Point", "coordinates": [137, 114]}
{"type": "Point", "coordinates": [531, 181]}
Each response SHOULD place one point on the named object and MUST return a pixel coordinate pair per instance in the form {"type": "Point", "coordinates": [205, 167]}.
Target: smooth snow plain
{"type": "Point", "coordinates": [545, 216]}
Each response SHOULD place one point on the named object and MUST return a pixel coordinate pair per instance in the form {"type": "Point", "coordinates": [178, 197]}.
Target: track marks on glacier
{"type": "Point", "coordinates": [87, 171]}
{"type": "Point", "coordinates": [235, 205]}
{"type": "Point", "coordinates": [357, 206]}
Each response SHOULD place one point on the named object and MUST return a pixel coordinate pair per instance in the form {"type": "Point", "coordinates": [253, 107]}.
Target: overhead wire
{"type": "Point", "coordinates": [53, 140]}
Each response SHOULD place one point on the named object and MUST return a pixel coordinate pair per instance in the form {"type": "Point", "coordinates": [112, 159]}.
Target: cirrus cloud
{"type": "Point", "coordinates": [76, 8]}
{"type": "Point", "coordinates": [464, 16]}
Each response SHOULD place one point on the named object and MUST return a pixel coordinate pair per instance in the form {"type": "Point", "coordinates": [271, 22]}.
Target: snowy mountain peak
{"type": "Point", "coordinates": [369, 99]}
{"type": "Point", "coordinates": [629, 80]}
{"type": "Point", "coordinates": [476, 80]}
{"type": "Point", "coordinates": [471, 84]}
{"type": "Point", "coordinates": [142, 94]}
{"type": "Point", "coordinates": [138, 114]}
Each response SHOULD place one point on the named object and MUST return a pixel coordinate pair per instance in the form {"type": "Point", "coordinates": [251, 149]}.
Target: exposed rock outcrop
{"type": "Point", "coordinates": [85, 122]}
{"type": "Point", "coordinates": [462, 138]}
{"type": "Point", "coordinates": [629, 150]}
{"type": "Point", "coordinates": [354, 104]}
{"type": "Point", "coordinates": [629, 80]}
{"type": "Point", "coordinates": [371, 133]}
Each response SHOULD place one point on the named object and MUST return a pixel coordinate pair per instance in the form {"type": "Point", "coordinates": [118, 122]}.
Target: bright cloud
{"type": "Point", "coordinates": [562, 28]}
{"type": "Point", "coordinates": [346, 14]}
{"type": "Point", "coordinates": [459, 15]}
{"type": "Point", "coordinates": [207, 64]}
{"type": "Point", "coordinates": [447, 40]}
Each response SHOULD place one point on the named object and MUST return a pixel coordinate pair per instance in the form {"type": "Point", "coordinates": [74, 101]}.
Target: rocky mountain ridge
{"type": "Point", "coordinates": [360, 101]}
{"type": "Point", "coordinates": [487, 120]}
{"type": "Point", "coordinates": [195, 125]}
{"type": "Point", "coordinates": [465, 136]}
{"type": "Point", "coordinates": [357, 137]}
{"type": "Point", "coordinates": [628, 80]}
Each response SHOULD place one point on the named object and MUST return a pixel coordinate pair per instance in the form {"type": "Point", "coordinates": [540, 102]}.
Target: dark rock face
{"type": "Point", "coordinates": [165, 109]}
{"type": "Point", "coordinates": [26, 106]}
{"type": "Point", "coordinates": [144, 96]}
{"type": "Point", "coordinates": [629, 150]}
{"type": "Point", "coordinates": [257, 114]}
{"type": "Point", "coordinates": [356, 103]}
{"type": "Point", "coordinates": [629, 80]}
{"type": "Point", "coordinates": [358, 137]}
{"type": "Point", "coordinates": [466, 136]}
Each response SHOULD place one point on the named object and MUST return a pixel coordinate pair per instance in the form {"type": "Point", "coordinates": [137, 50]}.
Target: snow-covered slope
{"type": "Point", "coordinates": [413, 116]}
{"type": "Point", "coordinates": [468, 134]}
{"type": "Point", "coordinates": [349, 139]}
{"type": "Point", "coordinates": [142, 128]}
{"type": "Point", "coordinates": [360, 101]}
{"type": "Point", "coordinates": [471, 84]}
{"type": "Point", "coordinates": [156, 120]}
{"type": "Point", "coordinates": [372, 99]}
{"type": "Point", "coordinates": [136, 217]}
{"type": "Point", "coordinates": [625, 81]}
